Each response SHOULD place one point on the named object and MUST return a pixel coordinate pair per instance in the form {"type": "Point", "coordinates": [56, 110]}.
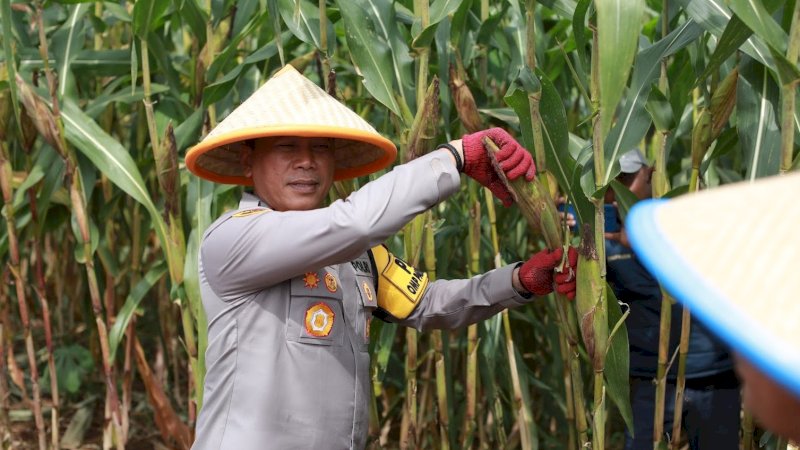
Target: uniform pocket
{"type": "Point", "coordinates": [316, 315]}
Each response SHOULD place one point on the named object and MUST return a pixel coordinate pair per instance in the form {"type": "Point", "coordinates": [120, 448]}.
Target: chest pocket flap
{"type": "Point", "coordinates": [316, 315]}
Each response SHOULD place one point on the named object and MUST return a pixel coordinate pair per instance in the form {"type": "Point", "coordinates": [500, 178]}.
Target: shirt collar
{"type": "Point", "coordinates": [250, 200]}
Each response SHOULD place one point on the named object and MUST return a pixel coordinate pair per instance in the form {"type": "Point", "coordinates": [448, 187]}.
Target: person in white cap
{"type": "Point", "coordinates": [711, 399]}
{"type": "Point", "coordinates": [730, 254]}
{"type": "Point", "coordinates": [290, 286]}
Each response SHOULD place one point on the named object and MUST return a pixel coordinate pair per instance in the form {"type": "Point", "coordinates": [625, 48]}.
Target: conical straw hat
{"type": "Point", "coordinates": [731, 255]}
{"type": "Point", "coordinates": [289, 104]}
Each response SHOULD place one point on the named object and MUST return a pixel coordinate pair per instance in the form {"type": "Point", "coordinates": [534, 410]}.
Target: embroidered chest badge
{"type": "Point", "coordinates": [250, 212]}
{"type": "Point", "coordinates": [367, 290]}
{"type": "Point", "coordinates": [319, 320]}
{"type": "Point", "coordinates": [311, 280]}
{"type": "Point", "coordinates": [330, 282]}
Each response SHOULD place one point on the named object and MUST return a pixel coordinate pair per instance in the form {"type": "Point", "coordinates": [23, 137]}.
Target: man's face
{"type": "Point", "coordinates": [291, 173]}
{"type": "Point", "coordinates": [772, 405]}
{"type": "Point", "coordinates": [642, 184]}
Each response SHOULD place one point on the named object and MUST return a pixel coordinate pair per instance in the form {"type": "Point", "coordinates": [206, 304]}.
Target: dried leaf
{"type": "Point", "coordinates": [172, 429]}
{"type": "Point", "coordinates": [40, 114]}
{"type": "Point", "coordinates": [423, 130]}
{"type": "Point", "coordinates": [464, 102]}
{"type": "Point", "coordinates": [722, 103]}
{"type": "Point", "coordinates": [168, 174]}
{"type": "Point", "coordinates": [701, 137]}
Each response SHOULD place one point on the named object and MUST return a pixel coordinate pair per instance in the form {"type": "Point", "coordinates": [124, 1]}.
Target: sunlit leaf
{"type": "Point", "coordinates": [148, 15]}
{"type": "Point", "coordinates": [757, 121]}
{"type": "Point", "coordinates": [112, 159]}
{"type": "Point", "coordinates": [618, 360]}
{"type": "Point", "coordinates": [304, 23]}
{"type": "Point", "coordinates": [371, 34]}
{"type": "Point", "coordinates": [618, 25]}
{"type": "Point", "coordinates": [714, 16]}
{"type": "Point", "coordinates": [633, 121]}
{"type": "Point", "coordinates": [758, 19]}
{"type": "Point", "coordinates": [131, 304]}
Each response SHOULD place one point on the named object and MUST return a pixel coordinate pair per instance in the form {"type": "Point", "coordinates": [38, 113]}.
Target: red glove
{"type": "Point", "coordinates": [512, 157]}
{"type": "Point", "coordinates": [538, 273]}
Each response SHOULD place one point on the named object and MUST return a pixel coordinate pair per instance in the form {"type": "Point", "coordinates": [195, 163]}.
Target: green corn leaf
{"type": "Point", "coordinates": [579, 30]}
{"type": "Point", "coordinates": [618, 25]}
{"type": "Point", "coordinates": [129, 307]}
{"type": "Point", "coordinates": [564, 8]}
{"type": "Point", "coordinates": [303, 22]}
{"type": "Point", "coordinates": [99, 103]}
{"type": "Point", "coordinates": [134, 66]}
{"type": "Point", "coordinates": [245, 10]}
{"type": "Point", "coordinates": [735, 35]}
{"type": "Point", "coordinates": [624, 197]}
{"type": "Point", "coordinates": [660, 110]}
{"type": "Point", "coordinates": [8, 55]}
{"type": "Point", "coordinates": [148, 15]}
{"type": "Point", "coordinates": [377, 50]}
{"type": "Point", "coordinates": [788, 73]}
{"type": "Point", "coordinates": [714, 16]}
{"type": "Point", "coordinates": [758, 19]}
{"type": "Point", "coordinates": [440, 9]}
{"type": "Point", "coordinates": [67, 42]}
{"type": "Point", "coordinates": [617, 367]}
{"type": "Point", "coordinates": [214, 92]}
{"type": "Point", "coordinates": [115, 162]}
{"type": "Point", "coordinates": [195, 18]}
{"type": "Point", "coordinates": [159, 50]}
{"type": "Point", "coordinates": [443, 8]}
{"type": "Point", "coordinates": [759, 135]}
{"type": "Point", "coordinates": [633, 121]}
{"type": "Point", "coordinates": [275, 15]}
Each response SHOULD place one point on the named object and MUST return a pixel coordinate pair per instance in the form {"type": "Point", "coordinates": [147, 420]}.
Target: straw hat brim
{"type": "Point", "coordinates": [729, 255]}
{"type": "Point", "coordinates": [291, 105]}
{"type": "Point", "coordinates": [351, 147]}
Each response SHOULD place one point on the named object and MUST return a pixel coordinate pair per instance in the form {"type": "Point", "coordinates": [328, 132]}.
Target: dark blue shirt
{"type": "Point", "coordinates": [633, 285]}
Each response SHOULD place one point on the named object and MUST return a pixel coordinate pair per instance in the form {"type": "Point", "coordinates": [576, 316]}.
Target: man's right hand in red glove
{"type": "Point", "coordinates": [538, 275]}
{"type": "Point", "coordinates": [512, 157]}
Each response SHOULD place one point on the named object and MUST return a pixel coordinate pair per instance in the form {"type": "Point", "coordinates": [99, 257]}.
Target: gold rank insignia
{"type": "Point", "coordinates": [311, 280]}
{"type": "Point", "coordinates": [330, 282]}
{"type": "Point", "coordinates": [250, 212]}
{"type": "Point", "coordinates": [319, 320]}
{"type": "Point", "coordinates": [367, 290]}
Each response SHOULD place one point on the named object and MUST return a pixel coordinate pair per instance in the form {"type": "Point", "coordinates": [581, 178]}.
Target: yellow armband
{"type": "Point", "coordinates": [400, 286]}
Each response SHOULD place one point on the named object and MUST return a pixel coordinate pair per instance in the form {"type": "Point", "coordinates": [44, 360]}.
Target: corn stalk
{"type": "Point", "coordinates": [788, 95]}
{"type": "Point", "coordinates": [540, 212]}
{"type": "Point", "coordinates": [40, 287]}
{"type": "Point", "coordinates": [19, 284]}
{"type": "Point", "coordinates": [660, 187]}
{"type": "Point", "coordinates": [50, 126]}
{"type": "Point", "coordinates": [710, 121]}
{"type": "Point", "coordinates": [591, 295]}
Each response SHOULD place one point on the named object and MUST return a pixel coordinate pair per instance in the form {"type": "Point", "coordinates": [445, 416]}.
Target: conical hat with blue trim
{"type": "Point", "coordinates": [731, 255]}
{"type": "Point", "coordinates": [289, 104]}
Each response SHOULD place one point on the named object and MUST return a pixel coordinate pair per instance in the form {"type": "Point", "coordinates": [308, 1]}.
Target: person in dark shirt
{"type": "Point", "coordinates": [712, 399]}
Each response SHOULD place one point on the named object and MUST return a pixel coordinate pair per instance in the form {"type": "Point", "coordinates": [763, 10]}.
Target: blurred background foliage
{"type": "Point", "coordinates": [103, 332]}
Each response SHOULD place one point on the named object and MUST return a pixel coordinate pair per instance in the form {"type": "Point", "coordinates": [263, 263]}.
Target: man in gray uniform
{"type": "Point", "coordinates": [289, 287]}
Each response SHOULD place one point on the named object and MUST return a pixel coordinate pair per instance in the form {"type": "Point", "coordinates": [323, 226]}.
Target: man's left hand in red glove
{"type": "Point", "coordinates": [538, 275]}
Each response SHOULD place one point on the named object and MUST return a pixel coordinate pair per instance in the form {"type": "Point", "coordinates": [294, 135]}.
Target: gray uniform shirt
{"type": "Point", "coordinates": [289, 296]}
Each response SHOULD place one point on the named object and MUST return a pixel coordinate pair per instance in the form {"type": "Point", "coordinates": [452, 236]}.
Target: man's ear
{"type": "Point", "coordinates": [246, 160]}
